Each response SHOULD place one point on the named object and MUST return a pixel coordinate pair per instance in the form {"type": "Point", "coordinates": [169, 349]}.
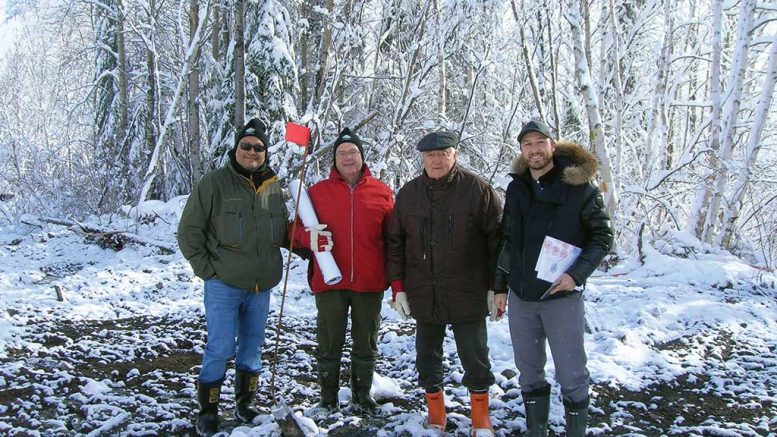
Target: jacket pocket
{"type": "Point", "coordinates": [230, 227]}
{"type": "Point", "coordinates": [277, 230]}
{"type": "Point", "coordinates": [417, 237]}
{"type": "Point", "coordinates": [463, 236]}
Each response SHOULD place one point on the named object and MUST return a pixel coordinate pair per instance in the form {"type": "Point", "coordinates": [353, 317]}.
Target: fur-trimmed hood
{"type": "Point", "coordinates": [578, 165]}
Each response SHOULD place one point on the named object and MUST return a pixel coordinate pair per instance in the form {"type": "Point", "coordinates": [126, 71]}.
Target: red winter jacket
{"type": "Point", "coordinates": [357, 217]}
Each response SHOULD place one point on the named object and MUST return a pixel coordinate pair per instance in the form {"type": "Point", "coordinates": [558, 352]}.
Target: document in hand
{"type": "Point", "coordinates": [555, 258]}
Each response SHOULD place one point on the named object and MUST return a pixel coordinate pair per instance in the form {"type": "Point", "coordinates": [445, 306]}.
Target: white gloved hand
{"type": "Point", "coordinates": [320, 240]}
{"type": "Point", "coordinates": [496, 305]}
{"type": "Point", "coordinates": [401, 305]}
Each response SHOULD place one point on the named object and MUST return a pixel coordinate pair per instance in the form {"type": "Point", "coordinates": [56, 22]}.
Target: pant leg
{"type": "Point", "coordinates": [428, 358]}
{"type": "Point", "coordinates": [528, 337]}
{"type": "Point", "coordinates": [564, 322]}
{"type": "Point", "coordinates": [222, 304]}
{"type": "Point", "coordinates": [251, 330]}
{"type": "Point", "coordinates": [331, 323]}
{"type": "Point", "coordinates": [365, 322]}
{"type": "Point", "coordinates": [472, 348]}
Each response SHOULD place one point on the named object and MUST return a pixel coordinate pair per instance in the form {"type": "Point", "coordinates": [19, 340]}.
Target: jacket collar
{"type": "Point", "coordinates": [334, 175]}
{"type": "Point", "coordinates": [443, 181]}
{"type": "Point", "coordinates": [576, 164]}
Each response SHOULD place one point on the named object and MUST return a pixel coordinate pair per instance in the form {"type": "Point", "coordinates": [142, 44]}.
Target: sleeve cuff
{"type": "Point", "coordinates": [397, 286]}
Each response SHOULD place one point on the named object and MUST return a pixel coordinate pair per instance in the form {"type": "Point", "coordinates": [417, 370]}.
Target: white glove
{"type": "Point", "coordinates": [401, 305]}
{"type": "Point", "coordinates": [318, 236]}
{"type": "Point", "coordinates": [494, 311]}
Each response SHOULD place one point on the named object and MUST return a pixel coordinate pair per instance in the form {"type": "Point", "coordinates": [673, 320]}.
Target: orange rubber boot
{"type": "Point", "coordinates": [481, 422]}
{"type": "Point", "coordinates": [435, 403]}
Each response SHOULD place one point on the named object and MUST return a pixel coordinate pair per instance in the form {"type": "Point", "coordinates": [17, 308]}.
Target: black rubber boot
{"type": "Point", "coordinates": [576, 415]}
{"type": "Point", "coordinates": [208, 399]}
{"type": "Point", "coordinates": [537, 404]}
{"type": "Point", "coordinates": [329, 380]}
{"type": "Point", "coordinates": [245, 391]}
{"type": "Point", "coordinates": [330, 386]}
{"type": "Point", "coordinates": [361, 383]}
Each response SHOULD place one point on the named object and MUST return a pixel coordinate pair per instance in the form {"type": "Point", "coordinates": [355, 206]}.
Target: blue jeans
{"type": "Point", "coordinates": [235, 321]}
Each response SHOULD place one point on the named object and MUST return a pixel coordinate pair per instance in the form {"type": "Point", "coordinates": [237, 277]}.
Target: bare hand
{"type": "Point", "coordinates": [498, 306]}
{"type": "Point", "coordinates": [563, 283]}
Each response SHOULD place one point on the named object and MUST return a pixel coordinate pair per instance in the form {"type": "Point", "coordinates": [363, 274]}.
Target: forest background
{"type": "Point", "coordinates": [108, 103]}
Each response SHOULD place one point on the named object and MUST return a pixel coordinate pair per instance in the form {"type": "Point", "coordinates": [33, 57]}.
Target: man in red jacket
{"type": "Point", "coordinates": [353, 209]}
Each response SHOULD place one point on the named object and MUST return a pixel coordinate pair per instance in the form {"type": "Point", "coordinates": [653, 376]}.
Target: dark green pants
{"type": "Point", "coordinates": [471, 347]}
{"type": "Point", "coordinates": [331, 324]}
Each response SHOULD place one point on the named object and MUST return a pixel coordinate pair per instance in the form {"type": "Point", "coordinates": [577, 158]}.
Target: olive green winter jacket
{"type": "Point", "coordinates": [233, 230]}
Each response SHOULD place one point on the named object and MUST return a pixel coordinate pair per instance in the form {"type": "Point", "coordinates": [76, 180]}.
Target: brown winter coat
{"type": "Point", "coordinates": [442, 241]}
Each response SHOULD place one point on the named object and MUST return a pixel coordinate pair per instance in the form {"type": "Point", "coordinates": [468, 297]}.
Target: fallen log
{"type": "Point", "coordinates": [108, 238]}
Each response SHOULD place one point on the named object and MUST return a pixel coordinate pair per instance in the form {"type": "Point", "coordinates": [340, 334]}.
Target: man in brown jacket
{"type": "Point", "coordinates": [442, 243]}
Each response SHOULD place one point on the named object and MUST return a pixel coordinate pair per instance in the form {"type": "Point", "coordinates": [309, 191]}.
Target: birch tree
{"type": "Point", "coordinates": [730, 114]}
{"type": "Point", "coordinates": [698, 217]}
{"type": "Point", "coordinates": [734, 205]}
{"type": "Point", "coordinates": [154, 162]}
{"type": "Point", "coordinates": [589, 95]}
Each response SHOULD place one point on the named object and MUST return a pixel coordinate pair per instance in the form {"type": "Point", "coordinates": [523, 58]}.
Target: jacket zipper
{"type": "Point", "coordinates": [450, 235]}
{"type": "Point", "coordinates": [351, 230]}
{"type": "Point", "coordinates": [423, 240]}
{"type": "Point", "coordinates": [240, 222]}
{"type": "Point", "coordinates": [272, 229]}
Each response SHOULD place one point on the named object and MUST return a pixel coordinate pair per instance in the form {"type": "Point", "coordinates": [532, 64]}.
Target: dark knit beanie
{"type": "Point", "coordinates": [346, 136]}
{"type": "Point", "coordinates": [254, 128]}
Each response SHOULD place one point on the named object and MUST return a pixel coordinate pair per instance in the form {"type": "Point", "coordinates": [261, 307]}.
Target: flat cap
{"type": "Point", "coordinates": [534, 126]}
{"type": "Point", "coordinates": [437, 141]}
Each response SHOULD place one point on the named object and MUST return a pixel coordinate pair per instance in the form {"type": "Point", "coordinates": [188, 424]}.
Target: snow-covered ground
{"type": "Point", "coordinates": [675, 346]}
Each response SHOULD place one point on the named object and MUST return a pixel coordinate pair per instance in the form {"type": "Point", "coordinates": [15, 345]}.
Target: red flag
{"type": "Point", "coordinates": [297, 134]}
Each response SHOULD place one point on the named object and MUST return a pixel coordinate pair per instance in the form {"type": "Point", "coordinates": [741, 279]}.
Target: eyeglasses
{"type": "Point", "coordinates": [345, 153]}
{"type": "Point", "coordinates": [258, 148]}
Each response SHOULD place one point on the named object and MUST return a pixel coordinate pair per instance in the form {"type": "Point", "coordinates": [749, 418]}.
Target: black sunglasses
{"type": "Point", "coordinates": [258, 148]}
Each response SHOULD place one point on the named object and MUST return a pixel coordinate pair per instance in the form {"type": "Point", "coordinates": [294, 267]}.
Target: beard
{"type": "Point", "coordinates": [539, 162]}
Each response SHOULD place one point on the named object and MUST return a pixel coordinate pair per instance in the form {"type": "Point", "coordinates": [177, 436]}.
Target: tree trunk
{"type": "Point", "coordinates": [302, 49]}
{"type": "Point", "coordinates": [585, 11]}
{"type": "Point", "coordinates": [730, 114]}
{"type": "Point", "coordinates": [553, 74]}
{"type": "Point", "coordinates": [151, 83]}
{"type": "Point", "coordinates": [589, 95]}
{"type": "Point", "coordinates": [323, 55]}
{"type": "Point", "coordinates": [753, 147]}
{"type": "Point", "coordinates": [529, 65]}
{"type": "Point", "coordinates": [240, 65]}
{"type": "Point", "coordinates": [654, 159]}
{"type": "Point", "coordinates": [215, 34]}
{"type": "Point", "coordinates": [171, 111]}
{"type": "Point", "coordinates": [618, 85]}
{"type": "Point", "coordinates": [122, 135]}
{"type": "Point", "coordinates": [697, 218]}
{"type": "Point", "coordinates": [442, 89]}
{"type": "Point", "coordinates": [195, 159]}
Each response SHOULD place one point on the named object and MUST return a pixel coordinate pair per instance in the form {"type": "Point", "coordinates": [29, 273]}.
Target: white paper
{"type": "Point", "coordinates": [324, 260]}
{"type": "Point", "coordinates": [555, 258]}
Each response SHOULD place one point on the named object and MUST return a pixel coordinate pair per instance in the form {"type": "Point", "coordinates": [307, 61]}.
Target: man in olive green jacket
{"type": "Point", "coordinates": [231, 231]}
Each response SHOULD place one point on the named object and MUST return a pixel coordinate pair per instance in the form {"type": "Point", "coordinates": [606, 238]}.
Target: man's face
{"type": "Point", "coordinates": [250, 159]}
{"type": "Point", "coordinates": [537, 150]}
{"type": "Point", "coordinates": [438, 163]}
{"type": "Point", "coordinates": [348, 161]}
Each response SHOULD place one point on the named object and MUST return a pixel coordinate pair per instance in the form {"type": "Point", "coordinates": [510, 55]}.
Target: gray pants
{"type": "Point", "coordinates": [562, 323]}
